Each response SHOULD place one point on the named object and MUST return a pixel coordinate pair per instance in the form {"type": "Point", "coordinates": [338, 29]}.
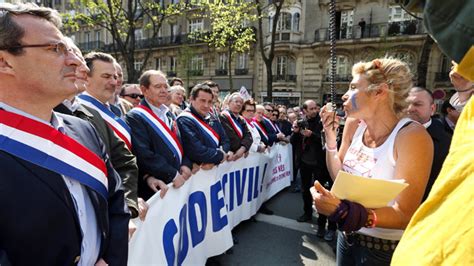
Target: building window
{"type": "Point", "coordinates": [242, 61]}
{"type": "Point", "coordinates": [296, 22]}
{"type": "Point", "coordinates": [343, 68]}
{"type": "Point", "coordinates": [346, 24]}
{"type": "Point", "coordinates": [87, 37]}
{"type": "Point", "coordinates": [223, 61]}
{"type": "Point", "coordinates": [197, 66]}
{"type": "Point", "coordinates": [195, 25]}
{"type": "Point", "coordinates": [158, 63]}
{"type": "Point", "coordinates": [285, 69]}
{"type": "Point", "coordinates": [137, 65]}
{"type": "Point", "coordinates": [284, 23]}
{"type": "Point", "coordinates": [270, 23]}
{"type": "Point", "coordinates": [445, 66]}
{"type": "Point", "coordinates": [139, 34]}
{"type": "Point", "coordinates": [173, 63]}
{"type": "Point", "coordinates": [98, 36]}
{"type": "Point", "coordinates": [197, 62]}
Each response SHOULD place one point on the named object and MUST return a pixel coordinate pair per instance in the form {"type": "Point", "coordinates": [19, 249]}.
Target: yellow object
{"type": "Point", "coordinates": [466, 66]}
{"type": "Point", "coordinates": [441, 232]}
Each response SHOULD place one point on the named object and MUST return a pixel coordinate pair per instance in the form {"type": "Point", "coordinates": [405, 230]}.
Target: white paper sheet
{"type": "Point", "coordinates": [370, 192]}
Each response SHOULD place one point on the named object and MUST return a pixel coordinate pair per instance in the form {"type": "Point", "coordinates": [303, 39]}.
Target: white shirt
{"type": "Point", "coordinates": [90, 245]}
{"type": "Point", "coordinates": [374, 163]}
{"type": "Point", "coordinates": [257, 140]}
{"type": "Point", "coordinates": [427, 124]}
{"type": "Point", "coordinates": [161, 113]}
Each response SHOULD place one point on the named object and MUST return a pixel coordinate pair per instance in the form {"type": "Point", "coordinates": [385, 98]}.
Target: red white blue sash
{"type": "Point", "coordinates": [274, 126]}
{"type": "Point", "coordinates": [235, 124]}
{"type": "Point", "coordinates": [47, 147]}
{"type": "Point", "coordinates": [261, 129]}
{"type": "Point", "coordinates": [249, 122]}
{"type": "Point", "coordinates": [121, 129]}
{"type": "Point", "coordinates": [162, 130]}
{"type": "Point", "coordinates": [205, 128]}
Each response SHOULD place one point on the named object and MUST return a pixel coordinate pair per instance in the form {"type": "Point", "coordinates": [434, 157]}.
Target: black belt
{"type": "Point", "coordinates": [371, 242]}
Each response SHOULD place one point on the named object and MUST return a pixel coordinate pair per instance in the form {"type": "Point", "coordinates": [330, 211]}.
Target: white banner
{"type": "Point", "coordinates": [194, 222]}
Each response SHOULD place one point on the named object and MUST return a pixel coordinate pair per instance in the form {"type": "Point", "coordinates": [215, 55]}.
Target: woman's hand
{"type": "Point", "coordinates": [331, 124]}
{"type": "Point", "coordinates": [326, 203]}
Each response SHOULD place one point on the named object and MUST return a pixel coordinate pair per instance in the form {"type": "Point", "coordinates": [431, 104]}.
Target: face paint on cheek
{"type": "Point", "coordinates": [352, 97]}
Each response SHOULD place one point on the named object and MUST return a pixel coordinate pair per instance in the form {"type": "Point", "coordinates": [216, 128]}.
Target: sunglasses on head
{"type": "Point", "coordinates": [134, 95]}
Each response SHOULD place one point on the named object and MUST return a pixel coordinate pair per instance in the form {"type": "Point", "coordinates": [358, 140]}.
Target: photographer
{"type": "Point", "coordinates": [307, 135]}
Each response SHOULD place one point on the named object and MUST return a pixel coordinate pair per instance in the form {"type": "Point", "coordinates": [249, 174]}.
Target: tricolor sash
{"type": "Point", "coordinates": [235, 124]}
{"type": "Point", "coordinates": [162, 130]}
{"type": "Point", "coordinates": [249, 122]}
{"type": "Point", "coordinates": [274, 126]}
{"type": "Point", "coordinates": [261, 129]}
{"type": "Point", "coordinates": [47, 147]}
{"type": "Point", "coordinates": [205, 128]}
{"type": "Point", "coordinates": [121, 129]}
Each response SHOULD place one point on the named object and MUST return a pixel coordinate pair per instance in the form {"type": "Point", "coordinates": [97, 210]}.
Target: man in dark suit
{"type": "Point", "coordinates": [62, 203]}
{"type": "Point", "coordinates": [421, 108]}
{"type": "Point", "coordinates": [450, 117]}
{"type": "Point", "coordinates": [235, 127]}
{"type": "Point", "coordinates": [204, 140]}
{"type": "Point", "coordinates": [155, 139]}
{"type": "Point", "coordinates": [264, 127]}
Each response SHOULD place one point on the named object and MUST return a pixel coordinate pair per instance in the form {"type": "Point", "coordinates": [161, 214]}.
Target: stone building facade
{"type": "Point", "coordinates": [365, 29]}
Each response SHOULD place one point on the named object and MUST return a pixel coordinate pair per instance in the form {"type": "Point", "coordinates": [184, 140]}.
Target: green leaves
{"type": "Point", "coordinates": [229, 24]}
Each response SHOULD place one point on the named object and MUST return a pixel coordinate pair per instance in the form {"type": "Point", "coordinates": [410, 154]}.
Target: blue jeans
{"type": "Point", "coordinates": [354, 254]}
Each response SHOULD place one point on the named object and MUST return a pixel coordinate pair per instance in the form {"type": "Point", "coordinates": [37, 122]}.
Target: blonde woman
{"type": "Point", "coordinates": [378, 142]}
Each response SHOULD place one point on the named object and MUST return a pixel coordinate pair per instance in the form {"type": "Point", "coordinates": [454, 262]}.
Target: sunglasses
{"type": "Point", "coordinates": [134, 95]}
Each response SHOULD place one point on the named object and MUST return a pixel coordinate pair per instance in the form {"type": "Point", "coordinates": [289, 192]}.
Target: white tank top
{"type": "Point", "coordinates": [374, 163]}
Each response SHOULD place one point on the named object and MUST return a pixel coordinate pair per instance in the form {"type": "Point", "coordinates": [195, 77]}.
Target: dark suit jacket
{"type": "Point", "coordinates": [197, 147]}
{"type": "Point", "coordinates": [39, 223]}
{"type": "Point", "coordinates": [121, 158]}
{"type": "Point", "coordinates": [271, 133]}
{"type": "Point", "coordinates": [446, 126]}
{"type": "Point", "coordinates": [153, 155]}
{"type": "Point", "coordinates": [285, 127]}
{"type": "Point", "coordinates": [235, 141]}
{"type": "Point", "coordinates": [441, 143]}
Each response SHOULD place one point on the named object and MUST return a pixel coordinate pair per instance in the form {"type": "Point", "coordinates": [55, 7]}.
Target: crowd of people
{"type": "Point", "coordinates": [82, 152]}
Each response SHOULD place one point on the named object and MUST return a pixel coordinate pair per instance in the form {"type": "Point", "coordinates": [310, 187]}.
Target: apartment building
{"type": "Point", "coordinates": [365, 29]}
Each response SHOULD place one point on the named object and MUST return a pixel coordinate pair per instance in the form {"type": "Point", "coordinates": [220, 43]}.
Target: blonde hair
{"type": "Point", "coordinates": [393, 72]}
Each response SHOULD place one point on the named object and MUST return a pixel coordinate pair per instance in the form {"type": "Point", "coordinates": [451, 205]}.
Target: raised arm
{"type": "Point", "coordinates": [334, 156]}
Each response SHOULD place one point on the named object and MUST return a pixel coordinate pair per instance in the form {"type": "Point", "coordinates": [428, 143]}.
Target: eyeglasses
{"type": "Point", "coordinates": [269, 110]}
{"type": "Point", "coordinates": [275, 114]}
{"type": "Point", "coordinates": [60, 48]}
{"type": "Point", "coordinates": [250, 110]}
{"type": "Point", "coordinates": [134, 95]}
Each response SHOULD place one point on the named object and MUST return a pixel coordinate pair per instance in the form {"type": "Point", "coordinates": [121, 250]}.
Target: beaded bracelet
{"type": "Point", "coordinates": [329, 149]}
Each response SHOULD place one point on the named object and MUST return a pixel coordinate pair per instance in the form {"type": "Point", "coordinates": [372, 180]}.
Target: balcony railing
{"type": "Point", "coordinates": [338, 78]}
{"type": "Point", "coordinates": [410, 27]}
{"type": "Point", "coordinates": [144, 43]}
{"type": "Point", "coordinates": [171, 73]}
{"type": "Point", "coordinates": [89, 46]}
{"type": "Point", "coordinates": [221, 72]}
{"type": "Point", "coordinates": [284, 78]}
{"type": "Point", "coordinates": [442, 76]}
{"type": "Point", "coordinates": [242, 71]}
{"type": "Point", "coordinates": [195, 72]}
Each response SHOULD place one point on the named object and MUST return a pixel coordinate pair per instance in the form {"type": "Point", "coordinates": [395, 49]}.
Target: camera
{"type": "Point", "coordinates": [302, 124]}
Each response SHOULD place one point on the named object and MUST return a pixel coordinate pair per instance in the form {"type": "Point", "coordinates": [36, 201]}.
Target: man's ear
{"type": "Point", "coordinates": [5, 66]}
